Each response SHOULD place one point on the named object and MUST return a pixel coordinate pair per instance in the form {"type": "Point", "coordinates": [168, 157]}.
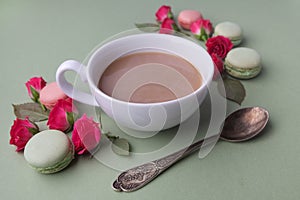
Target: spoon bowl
{"type": "Point", "coordinates": [244, 124]}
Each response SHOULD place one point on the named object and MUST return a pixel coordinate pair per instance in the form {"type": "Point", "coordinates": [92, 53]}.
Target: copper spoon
{"type": "Point", "coordinates": [239, 126]}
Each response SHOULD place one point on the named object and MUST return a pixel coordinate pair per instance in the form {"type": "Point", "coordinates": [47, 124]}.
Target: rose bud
{"type": "Point", "coordinates": [34, 86]}
{"type": "Point", "coordinates": [86, 135]}
{"type": "Point", "coordinates": [218, 65]}
{"type": "Point", "coordinates": [62, 116]}
{"type": "Point", "coordinates": [202, 29]}
{"type": "Point", "coordinates": [168, 26]}
{"type": "Point", "coordinates": [163, 12]}
{"type": "Point", "coordinates": [219, 45]}
{"type": "Point", "coordinates": [21, 132]}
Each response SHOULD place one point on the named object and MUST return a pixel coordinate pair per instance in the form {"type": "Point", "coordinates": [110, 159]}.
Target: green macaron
{"type": "Point", "coordinates": [243, 63]}
{"type": "Point", "coordinates": [230, 30]}
{"type": "Point", "coordinates": [49, 151]}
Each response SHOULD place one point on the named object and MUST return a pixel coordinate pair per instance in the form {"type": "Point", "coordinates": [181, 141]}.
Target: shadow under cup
{"type": "Point", "coordinates": [145, 117]}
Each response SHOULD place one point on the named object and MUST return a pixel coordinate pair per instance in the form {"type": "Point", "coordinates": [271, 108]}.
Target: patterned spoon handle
{"type": "Point", "coordinates": [139, 176]}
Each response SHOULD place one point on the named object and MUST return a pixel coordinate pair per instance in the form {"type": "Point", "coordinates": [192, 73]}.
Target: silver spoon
{"type": "Point", "coordinates": [240, 125]}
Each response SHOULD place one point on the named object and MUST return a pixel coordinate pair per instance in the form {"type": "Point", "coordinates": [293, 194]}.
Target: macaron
{"type": "Point", "coordinates": [243, 63]}
{"type": "Point", "coordinates": [230, 30]}
{"type": "Point", "coordinates": [50, 94]}
{"type": "Point", "coordinates": [187, 17]}
{"type": "Point", "coordinates": [49, 151]}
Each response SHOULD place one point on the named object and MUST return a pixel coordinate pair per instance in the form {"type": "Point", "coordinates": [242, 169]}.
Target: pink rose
{"type": "Point", "coordinates": [168, 26]}
{"type": "Point", "coordinates": [218, 64]}
{"type": "Point", "coordinates": [202, 29]}
{"type": "Point", "coordinates": [62, 116]}
{"type": "Point", "coordinates": [21, 132]}
{"type": "Point", "coordinates": [34, 86]}
{"type": "Point", "coordinates": [219, 45]}
{"type": "Point", "coordinates": [86, 135]}
{"type": "Point", "coordinates": [163, 12]}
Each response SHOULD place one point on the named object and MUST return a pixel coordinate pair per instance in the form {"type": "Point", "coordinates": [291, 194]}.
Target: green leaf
{"type": "Point", "coordinates": [111, 137]}
{"type": "Point", "coordinates": [70, 118]}
{"type": "Point", "coordinates": [31, 110]}
{"type": "Point", "coordinates": [170, 15]}
{"type": "Point", "coordinates": [234, 90]}
{"type": "Point", "coordinates": [35, 94]}
{"type": "Point", "coordinates": [148, 27]}
{"type": "Point", "coordinates": [144, 25]}
{"type": "Point", "coordinates": [175, 27]}
{"type": "Point", "coordinates": [121, 146]}
{"type": "Point", "coordinates": [99, 113]}
{"type": "Point", "coordinates": [42, 106]}
{"type": "Point", "coordinates": [203, 36]}
{"type": "Point", "coordinates": [33, 130]}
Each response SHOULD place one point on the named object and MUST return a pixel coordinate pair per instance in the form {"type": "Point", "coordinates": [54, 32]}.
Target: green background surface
{"type": "Point", "coordinates": [36, 36]}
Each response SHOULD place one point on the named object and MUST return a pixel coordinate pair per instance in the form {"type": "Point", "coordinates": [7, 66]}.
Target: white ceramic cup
{"type": "Point", "coordinates": [140, 116]}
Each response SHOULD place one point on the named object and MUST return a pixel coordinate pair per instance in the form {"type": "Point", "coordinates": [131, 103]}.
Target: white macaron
{"type": "Point", "coordinates": [230, 30]}
{"type": "Point", "coordinates": [243, 63]}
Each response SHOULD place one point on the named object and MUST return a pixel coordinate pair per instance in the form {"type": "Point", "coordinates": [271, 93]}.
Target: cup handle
{"type": "Point", "coordinates": [67, 88]}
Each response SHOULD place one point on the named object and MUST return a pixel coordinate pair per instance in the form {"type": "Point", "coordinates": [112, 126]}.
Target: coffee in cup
{"type": "Point", "coordinates": [149, 77]}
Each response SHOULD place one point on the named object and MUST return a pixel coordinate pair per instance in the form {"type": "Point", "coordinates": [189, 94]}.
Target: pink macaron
{"type": "Point", "coordinates": [187, 17]}
{"type": "Point", "coordinates": [50, 94]}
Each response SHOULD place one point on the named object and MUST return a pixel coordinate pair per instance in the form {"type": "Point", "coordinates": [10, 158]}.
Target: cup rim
{"type": "Point", "coordinates": [95, 89]}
